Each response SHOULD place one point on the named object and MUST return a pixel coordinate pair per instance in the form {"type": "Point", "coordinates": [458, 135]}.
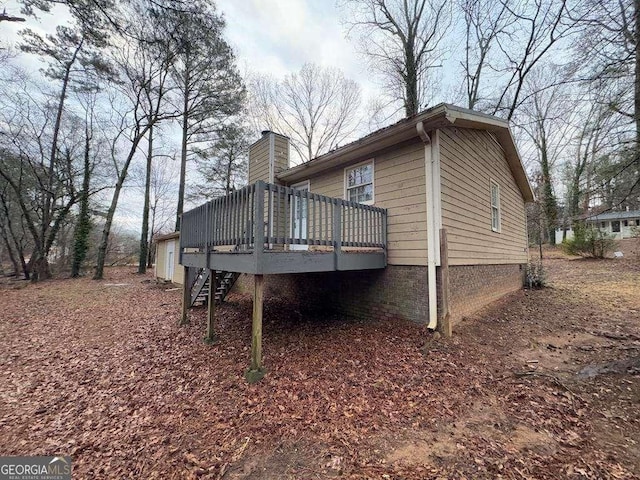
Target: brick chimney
{"type": "Point", "coordinates": [268, 157]}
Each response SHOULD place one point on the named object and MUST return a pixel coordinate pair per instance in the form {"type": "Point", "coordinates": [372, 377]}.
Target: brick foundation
{"type": "Point", "coordinates": [395, 292]}
{"type": "Point", "coordinates": [471, 287]}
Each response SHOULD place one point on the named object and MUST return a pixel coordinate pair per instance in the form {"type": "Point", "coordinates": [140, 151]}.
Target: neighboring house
{"type": "Point", "coordinates": [422, 220]}
{"type": "Point", "coordinates": [168, 267]}
{"type": "Point", "coordinates": [618, 225]}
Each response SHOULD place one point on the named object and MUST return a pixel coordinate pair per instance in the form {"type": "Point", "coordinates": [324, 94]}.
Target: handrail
{"type": "Point", "coordinates": [279, 217]}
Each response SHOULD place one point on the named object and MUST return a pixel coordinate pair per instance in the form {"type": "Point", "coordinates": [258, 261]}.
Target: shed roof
{"type": "Point", "coordinates": [167, 236]}
{"type": "Point", "coordinates": [440, 116]}
{"type": "Point", "coordinates": [615, 215]}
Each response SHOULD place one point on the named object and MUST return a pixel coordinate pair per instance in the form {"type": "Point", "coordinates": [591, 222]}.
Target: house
{"type": "Point", "coordinates": [423, 220]}
{"type": "Point", "coordinates": [618, 225]}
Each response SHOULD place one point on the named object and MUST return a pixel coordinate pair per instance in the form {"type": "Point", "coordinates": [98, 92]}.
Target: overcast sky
{"type": "Point", "coordinates": [269, 36]}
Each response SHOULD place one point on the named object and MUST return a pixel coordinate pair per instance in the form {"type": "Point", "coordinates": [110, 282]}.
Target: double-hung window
{"type": "Point", "coordinates": [359, 183]}
{"type": "Point", "coordinates": [495, 207]}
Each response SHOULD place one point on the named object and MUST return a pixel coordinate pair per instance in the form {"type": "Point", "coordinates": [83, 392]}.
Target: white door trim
{"type": "Point", "coordinates": [170, 260]}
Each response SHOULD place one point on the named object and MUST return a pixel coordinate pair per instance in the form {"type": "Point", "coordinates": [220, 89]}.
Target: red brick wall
{"type": "Point", "coordinates": [395, 292]}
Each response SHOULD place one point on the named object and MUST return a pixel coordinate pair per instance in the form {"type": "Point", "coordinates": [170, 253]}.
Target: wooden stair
{"type": "Point", "coordinates": [224, 281]}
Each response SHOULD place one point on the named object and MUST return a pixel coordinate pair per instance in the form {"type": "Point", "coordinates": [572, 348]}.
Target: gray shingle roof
{"type": "Point", "coordinates": [615, 215]}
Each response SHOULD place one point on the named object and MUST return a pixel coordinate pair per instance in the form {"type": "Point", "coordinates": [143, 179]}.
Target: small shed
{"type": "Point", "coordinates": [168, 259]}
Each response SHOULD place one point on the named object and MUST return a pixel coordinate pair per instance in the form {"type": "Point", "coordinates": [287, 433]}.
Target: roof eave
{"type": "Point", "coordinates": [440, 116]}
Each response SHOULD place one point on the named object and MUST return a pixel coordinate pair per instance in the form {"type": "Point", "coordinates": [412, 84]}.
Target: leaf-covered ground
{"type": "Point", "coordinates": [543, 384]}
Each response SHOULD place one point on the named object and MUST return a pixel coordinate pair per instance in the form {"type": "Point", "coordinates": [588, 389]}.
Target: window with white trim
{"type": "Point", "coordinates": [495, 207]}
{"type": "Point", "coordinates": [359, 183]}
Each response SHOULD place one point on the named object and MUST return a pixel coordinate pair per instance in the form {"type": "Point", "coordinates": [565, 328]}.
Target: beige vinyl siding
{"type": "Point", "coordinates": [280, 154]}
{"type": "Point", "coordinates": [469, 161]}
{"type": "Point", "coordinates": [161, 259]}
{"type": "Point", "coordinates": [178, 270]}
{"type": "Point", "coordinates": [399, 186]}
{"type": "Point", "coordinates": [259, 161]}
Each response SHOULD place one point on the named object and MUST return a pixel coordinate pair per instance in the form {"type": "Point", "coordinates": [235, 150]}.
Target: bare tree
{"type": "Point", "coordinates": [14, 233]}
{"type": "Point", "coordinates": [595, 138]}
{"type": "Point", "coordinates": [73, 58]}
{"type": "Point", "coordinates": [504, 42]}
{"type": "Point", "coordinates": [318, 108]}
{"type": "Point", "coordinates": [544, 119]}
{"type": "Point", "coordinates": [543, 24]}
{"type": "Point", "coordinates": [160, 206]}
{"type": "Point", "coordinates": [144, 67]}
{"type": "Point", "coordinates": [608, 52]}
{"type": "Point", "coordinates": [484, 22]}
{"type": "Point", "coordinates": [402, 40]}
{"type": "Point", "coordinates": [92, 158]}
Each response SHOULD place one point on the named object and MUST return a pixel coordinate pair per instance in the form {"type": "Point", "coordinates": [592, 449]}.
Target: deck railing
{"type": "Point", "coordinates": [278, 218]}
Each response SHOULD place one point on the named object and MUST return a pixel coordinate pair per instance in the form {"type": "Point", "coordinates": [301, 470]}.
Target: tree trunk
{"type": "Point", "coordinates": [83, 227]}
{"type": "Point", "coordinates": [12, 257]}
{"type": "Point", "coordinates": [104, 241]}
{"type": "Point", "coordinates": [150, 254]}
{"type": "Point", "coordinates": [228, 179]}
{"type": "Point", "coordinates": [411, 102]}
{"type": "Point", "coordinates": [144, 235]}
{"type": "Point", "coordinates": [636, 83]}
{"type": "Point", "coordinates": [183, 152]}
{"type": "Point", "coordinates": [48, 204]}
{"type": "Point", "coordinates": [39, 267]}
{"type": "Point", "coordinates": [549, 205]}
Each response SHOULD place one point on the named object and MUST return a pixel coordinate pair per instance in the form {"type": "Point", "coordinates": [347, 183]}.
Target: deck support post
{"type": "Point", "coordinates": [444, 322]}
{"type": "Point", "coordinates": [256, 371]}
{"type": "Point", "coordinates": [211, 336]}
{"type": "Point", "coordinates": [186, 297]}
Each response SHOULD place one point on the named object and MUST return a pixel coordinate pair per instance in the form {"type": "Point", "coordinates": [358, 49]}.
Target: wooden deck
{"type": "Point", "coordinates": [272, 229]}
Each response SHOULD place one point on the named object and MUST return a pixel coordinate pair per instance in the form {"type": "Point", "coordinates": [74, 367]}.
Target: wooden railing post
{"type": "Point", "coordinates": [383, 236]}
{"type": "Point", "coordinates": [337, 232]}
{"type": "Point", "coordinates": [258, 227]}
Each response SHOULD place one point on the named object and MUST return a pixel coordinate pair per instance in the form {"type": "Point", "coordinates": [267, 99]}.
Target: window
{"type": "Point", "coordinates": [603, 224]}
{"type": "Point", "coordinates": [638, 223]}
{"type": "Point", "coordinates": [495, 207]}
{"type": "Point", "coordinates": [359, 183]}
{"type": "Point", "coordinates": [625, 223]}
{"type": "Point", "coordinates": [615, 226]}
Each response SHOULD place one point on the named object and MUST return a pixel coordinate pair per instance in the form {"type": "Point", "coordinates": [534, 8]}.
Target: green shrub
{"type": "Point", "coordinates": [589, 242]}
{"type": "Point", "coordinates": [535, 275]}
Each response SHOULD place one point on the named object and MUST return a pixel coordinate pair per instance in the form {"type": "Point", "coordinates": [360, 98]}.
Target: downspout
{"type": "Point", "coordinates": [432, 236]}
